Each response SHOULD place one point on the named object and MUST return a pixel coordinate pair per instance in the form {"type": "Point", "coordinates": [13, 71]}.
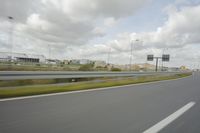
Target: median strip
{"type": "Point", "coordinates": [28, 91]}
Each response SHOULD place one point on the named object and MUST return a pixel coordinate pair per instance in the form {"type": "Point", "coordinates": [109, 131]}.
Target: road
{"type": "Point", "coordinates": [167, 106]}
{"type": "Point", "coordinates": [18, 75]}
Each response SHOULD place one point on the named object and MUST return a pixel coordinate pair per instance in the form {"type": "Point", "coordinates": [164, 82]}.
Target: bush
{"type": "Point", "coordinates": [115, 69]}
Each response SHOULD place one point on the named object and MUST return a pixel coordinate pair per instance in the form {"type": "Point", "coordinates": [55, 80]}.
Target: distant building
{"type": "Point", "coordinates": [146, 66]}
{"type": "Point", "coordinates": [66, 62]}
{"type": "Point", "coordinates": [99, 64]}
{"type": "Point", "coordinates": [21, 57]}
{"type": "Point", "coordinates": [53, 61]}
{"type": "Point", "coordinates": [85, 61]}
{"type": "Point", "coordinates": [80, 61]}
{"type": "Point", "coordinates": [183, 68]}
{"type": "Point", "coordinates": [74, 62]}
{"type": "Point", "coordinates": [172, 69]}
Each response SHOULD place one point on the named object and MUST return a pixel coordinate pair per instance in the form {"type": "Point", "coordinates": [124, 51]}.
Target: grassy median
{"type": "Point", "coordinates": [27, 91]}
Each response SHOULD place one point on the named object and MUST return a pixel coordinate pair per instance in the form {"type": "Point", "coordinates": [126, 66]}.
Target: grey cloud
{"type": "Point", "coordinates": [19, 9]}
{"type": "Point", "coordinates": [118, 8]}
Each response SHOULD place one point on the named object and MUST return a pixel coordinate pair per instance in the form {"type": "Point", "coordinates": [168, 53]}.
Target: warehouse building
{"type": "Point", "coordinates": [21, 57]}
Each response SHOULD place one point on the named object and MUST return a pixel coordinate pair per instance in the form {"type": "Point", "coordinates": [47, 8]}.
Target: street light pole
{"type": "Point", "coordinates": [131, 53]}
{"type": "Point", "coordinates": [11, 36]}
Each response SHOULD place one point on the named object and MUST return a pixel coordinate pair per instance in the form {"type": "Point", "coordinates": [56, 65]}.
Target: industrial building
{"type": "Point", "coordinates": [21, 57]}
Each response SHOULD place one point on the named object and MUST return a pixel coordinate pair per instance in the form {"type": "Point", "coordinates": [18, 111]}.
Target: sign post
{"type": "Point", "coordinates": [165, 58]}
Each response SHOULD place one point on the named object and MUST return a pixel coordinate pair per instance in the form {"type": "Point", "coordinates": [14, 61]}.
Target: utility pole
{"type": "Point", "coordinates": [108, 59]}
{"type": "Point", "coordinates": [49, 47]}
{"type": "Point", "coordinates": [157, 63]}
{"type": "Point", "coordinates": [163, 52]}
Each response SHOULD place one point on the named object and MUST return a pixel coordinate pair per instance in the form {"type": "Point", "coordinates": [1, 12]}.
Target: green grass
{"type": "Point", "coordinates": [26, 91]}
{"type": "Point", "coordinates": [25, 82]}
{"type": "Point", "coordinates": [37, 67]}
{"type": "Point", "coordinates": [29, 82]}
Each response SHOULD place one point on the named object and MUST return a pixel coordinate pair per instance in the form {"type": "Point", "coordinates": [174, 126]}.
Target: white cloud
{"type": "Point", "coordinates": [180, 34]}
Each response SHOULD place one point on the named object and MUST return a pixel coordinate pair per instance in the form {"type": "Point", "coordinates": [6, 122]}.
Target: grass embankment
{"type": "Point", "coordinates": [6, 93]}
{"type": "Point", "coordinates": [29, 82]}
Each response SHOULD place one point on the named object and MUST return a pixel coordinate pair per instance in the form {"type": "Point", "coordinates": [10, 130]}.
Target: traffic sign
{"type": "Point", "coordinates": [165, 57]}
{"type": "Point", "coordinates": [150, 57]}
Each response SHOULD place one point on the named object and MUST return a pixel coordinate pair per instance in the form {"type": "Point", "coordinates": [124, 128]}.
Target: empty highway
{"type": "Point", "coordinates": [168, 107]}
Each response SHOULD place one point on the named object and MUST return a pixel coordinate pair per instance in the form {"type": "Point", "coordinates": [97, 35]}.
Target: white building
{"type": "Point", "coordinates": [85, 61]}
{"type": "Point", "coordinates": [80, 61]}
{"type": "Point", "coordinates": [66, 62]}
{"type": "Point", "coordinates": [99, 63]}
{"type": "Point", "coordinates": [53, 61]}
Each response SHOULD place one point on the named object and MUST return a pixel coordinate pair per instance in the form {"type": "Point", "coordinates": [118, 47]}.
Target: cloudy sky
{"type": "Point", "coordinates": [90, 29]}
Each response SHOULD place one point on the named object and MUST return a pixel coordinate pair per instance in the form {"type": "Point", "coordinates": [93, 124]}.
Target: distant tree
{"type": "Point", "coordinates": [100, 68]}
{"type": "Point", "coordinates": [115, 69]}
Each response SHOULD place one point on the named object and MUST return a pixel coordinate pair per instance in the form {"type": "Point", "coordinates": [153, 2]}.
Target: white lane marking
{"type": "Point", "coordinates": [160, 125]}
{"type": "Point", "coordinates": [71, 92]}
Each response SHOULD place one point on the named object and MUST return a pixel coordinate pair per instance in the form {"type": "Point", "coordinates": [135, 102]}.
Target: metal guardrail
{"type": "Point", "coordinates": [18, 75]}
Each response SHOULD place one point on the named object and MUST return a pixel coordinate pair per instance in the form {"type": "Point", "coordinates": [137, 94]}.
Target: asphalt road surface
{"type": "Point", "coordinates": [166, 107]}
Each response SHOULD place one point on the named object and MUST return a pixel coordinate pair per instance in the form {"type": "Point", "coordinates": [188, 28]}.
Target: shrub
{"type": "Point", "coordinates": [115, 69]}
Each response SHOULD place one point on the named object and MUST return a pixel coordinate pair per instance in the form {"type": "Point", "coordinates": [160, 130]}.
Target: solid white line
{"type": "Point", "coordinates": [71, 92]}
{"type": "Point", "coordinates": [160, 125]}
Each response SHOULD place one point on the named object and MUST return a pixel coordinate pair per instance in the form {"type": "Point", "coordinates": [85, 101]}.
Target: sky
{"type": "Point", "coordinates": [92, 29]}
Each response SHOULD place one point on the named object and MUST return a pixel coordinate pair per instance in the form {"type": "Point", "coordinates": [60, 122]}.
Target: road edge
{"type": "Point", "coordinates": [87, 90]}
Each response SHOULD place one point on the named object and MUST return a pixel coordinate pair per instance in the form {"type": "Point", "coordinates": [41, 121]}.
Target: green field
{"type": "Point", "coordinates": [26, 91]}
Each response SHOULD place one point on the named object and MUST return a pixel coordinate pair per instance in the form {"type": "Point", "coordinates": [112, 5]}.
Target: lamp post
{"type": "Point", "coordinates": [10, 41]}
{"type": "Point", "coordinates": [131, 53]}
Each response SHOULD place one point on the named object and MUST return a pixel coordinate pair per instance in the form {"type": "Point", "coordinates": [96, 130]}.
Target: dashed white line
{"type": "Point", "coordinates": [160, 125]}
